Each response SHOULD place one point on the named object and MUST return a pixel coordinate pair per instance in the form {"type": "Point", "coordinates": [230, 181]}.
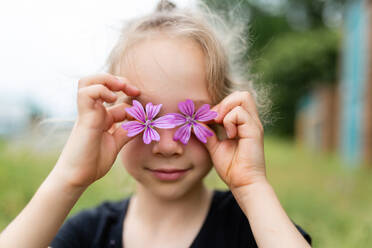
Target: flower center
{"type": "Point", "coordinates": [148, 123]}
{"type": "Point", "coordinates": [190, 119]}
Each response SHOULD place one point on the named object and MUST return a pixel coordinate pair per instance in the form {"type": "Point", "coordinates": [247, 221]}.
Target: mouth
{"type": "Point", "coordinates": [168, 174]}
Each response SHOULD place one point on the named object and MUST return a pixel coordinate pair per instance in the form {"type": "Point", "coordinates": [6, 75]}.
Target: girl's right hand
{"type": "Point", "coordinates": [94, 142]}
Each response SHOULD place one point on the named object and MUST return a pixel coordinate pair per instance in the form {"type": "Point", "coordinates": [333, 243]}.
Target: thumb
{"type": "Point", "coordinates": [120, 137]}
{"type": "Point", "coordinates": [212, 141]}
{"type": "Point", "coordinates": [215, 107]}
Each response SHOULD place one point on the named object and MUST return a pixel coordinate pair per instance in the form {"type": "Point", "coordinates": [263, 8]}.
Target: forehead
{"type": "Point", "coordinates": [166, 69]}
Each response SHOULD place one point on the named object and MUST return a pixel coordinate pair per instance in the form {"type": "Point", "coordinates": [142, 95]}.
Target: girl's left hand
{"type": "Point", "coordinates": [239, 160]}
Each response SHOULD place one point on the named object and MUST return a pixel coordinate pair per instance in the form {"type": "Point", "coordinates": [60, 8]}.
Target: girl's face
{"type": "Point", "coordinates": [167, 71]}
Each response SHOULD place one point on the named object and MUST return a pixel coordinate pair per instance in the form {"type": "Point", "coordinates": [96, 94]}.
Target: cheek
{"type": "Point", "coordinates": [131, 155]}
{"type": "Point", "coordinates": [199, 153]}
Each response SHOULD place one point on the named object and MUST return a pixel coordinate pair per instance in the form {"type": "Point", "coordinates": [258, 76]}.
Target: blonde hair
{"type": "Point", "coordinates": [217, 37]}
{"type": "Point", "coordinates": [222, 44]}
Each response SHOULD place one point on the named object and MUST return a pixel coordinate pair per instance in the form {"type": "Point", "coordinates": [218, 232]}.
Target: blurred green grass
{"type": "Point", "coordinates": [330, 200]}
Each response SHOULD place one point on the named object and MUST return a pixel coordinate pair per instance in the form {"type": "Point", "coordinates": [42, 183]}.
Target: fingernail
{"type": "Point", "coordinates": [133, 87]}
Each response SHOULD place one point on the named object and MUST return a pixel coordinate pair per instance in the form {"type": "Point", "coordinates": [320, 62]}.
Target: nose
{"type": "Point", "coordinates": [166, 146]}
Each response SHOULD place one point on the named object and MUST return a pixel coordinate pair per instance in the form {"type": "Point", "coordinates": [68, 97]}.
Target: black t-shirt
{"type": "Point", "coordinates": [102, 226]}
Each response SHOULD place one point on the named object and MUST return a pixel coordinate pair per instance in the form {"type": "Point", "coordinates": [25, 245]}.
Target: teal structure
{"type": "Point", "coordinates": [353, 81]}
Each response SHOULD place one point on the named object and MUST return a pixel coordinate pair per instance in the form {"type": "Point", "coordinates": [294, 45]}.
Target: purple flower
{"type": "Point", "coordinates": [146, 121]}
{"type": "Point", "coordinates": [189, 120]}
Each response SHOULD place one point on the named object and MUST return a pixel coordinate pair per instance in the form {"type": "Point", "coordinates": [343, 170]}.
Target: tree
{"type": "Point", "coordinates": [292, 46]}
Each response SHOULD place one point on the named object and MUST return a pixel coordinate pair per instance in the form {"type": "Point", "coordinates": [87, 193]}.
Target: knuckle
{"type": "Point", "coordinates": [84, 81]}
{"type": "Point", "coordinates": [226, 119]}
{"type": "Point", "coordinates": [100, 87]}
{"type": "Point", "coordinates": [108, 76]}
{"type": "Point", "coordinates": [235, 93]}
{"type": "Point", "coordinates": [246, 94]}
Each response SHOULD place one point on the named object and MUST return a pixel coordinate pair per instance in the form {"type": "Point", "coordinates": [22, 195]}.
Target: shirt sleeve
{"type": "Point", "coordinates": [304, 234]}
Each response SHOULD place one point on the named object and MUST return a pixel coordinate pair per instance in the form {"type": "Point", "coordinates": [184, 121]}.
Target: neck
{"type": "Point", "coordinates": [156, 211]}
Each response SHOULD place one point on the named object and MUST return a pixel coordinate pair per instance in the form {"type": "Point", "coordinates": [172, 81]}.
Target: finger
{"type": "Point", "coordinates": [117, 113]}
{"type": "Point", "coordinates": [238, 98]}
{"type": "Point", "coordinates": [94, 93]}
{"type": "Point", "coordinates": [216, 109]}
{"type": "Point", "coordinates": [212, 141]}
{"type": "Point", "coordinates": [112, 82]}
{"type": "Point", "coordinates": [238, 122]}
{"type": "Point", "coordinates": [120, 137]}
{"type": "Point", "coordinates": [90, 96]}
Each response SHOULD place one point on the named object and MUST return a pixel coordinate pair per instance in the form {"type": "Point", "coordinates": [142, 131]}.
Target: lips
{"type": "Point", "coordinates": [169, 170]}
{"type": "Point", "coordinates": [168, 174]}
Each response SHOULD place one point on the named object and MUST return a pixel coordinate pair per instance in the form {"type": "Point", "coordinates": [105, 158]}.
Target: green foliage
{"type": "Point", "coordinates": [329, 199]}
{"type": "Point", "coordinates": [262, 29]}
{"type": "Point", "coordinates": [288, 60]}
{"type": "Point", "coordinates": [261, 26]}
{"type": "Point", "coordinates": [23, 169]}
{"type": "Point", "coordinates": [314, 10]}
{"type": "Point", "coordinates": [293, 63]}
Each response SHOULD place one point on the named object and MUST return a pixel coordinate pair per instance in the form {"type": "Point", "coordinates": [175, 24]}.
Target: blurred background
{"type": "Point", "coordinates": [314, 55]}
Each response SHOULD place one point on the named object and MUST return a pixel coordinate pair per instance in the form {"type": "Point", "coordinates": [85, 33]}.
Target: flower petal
{"type": "Point", "coordinates": [183, 133]}
{"type": "Point", "coordinates": [152, 110]}
{"type": "Point", "coordinates": [149, 135]}
{"type": "Point", "coordinates": [137, 111]}
{"type": "Point", "coordinates": [204, 114]}
{"type": "Point", "coordinates": [133, 127]}
{"type": "Point", "coordinates": [166, 121]}
{"type": "Point", "coordinates": [178, 119]}
{"type": "Point", "coordinates": [201, 132]}
{"type": "Point", "coordinates": [187, 107]}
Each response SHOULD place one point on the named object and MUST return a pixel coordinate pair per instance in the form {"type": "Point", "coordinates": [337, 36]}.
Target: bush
{"type": "Point", "coordinates": [293, 63]}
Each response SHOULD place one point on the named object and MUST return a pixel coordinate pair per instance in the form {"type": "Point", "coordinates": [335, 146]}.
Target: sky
{"type": "Point", "coordinates": [47, 46]}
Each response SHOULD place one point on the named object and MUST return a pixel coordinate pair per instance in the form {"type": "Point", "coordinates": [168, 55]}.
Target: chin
{"type": "Point", "coordinates": [173, 191]}
{"type": "Point", "coordinates": [169, 191]}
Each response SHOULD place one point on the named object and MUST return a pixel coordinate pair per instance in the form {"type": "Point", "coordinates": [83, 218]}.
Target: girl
{"type": "Point", "coordinates": [172, 59]}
